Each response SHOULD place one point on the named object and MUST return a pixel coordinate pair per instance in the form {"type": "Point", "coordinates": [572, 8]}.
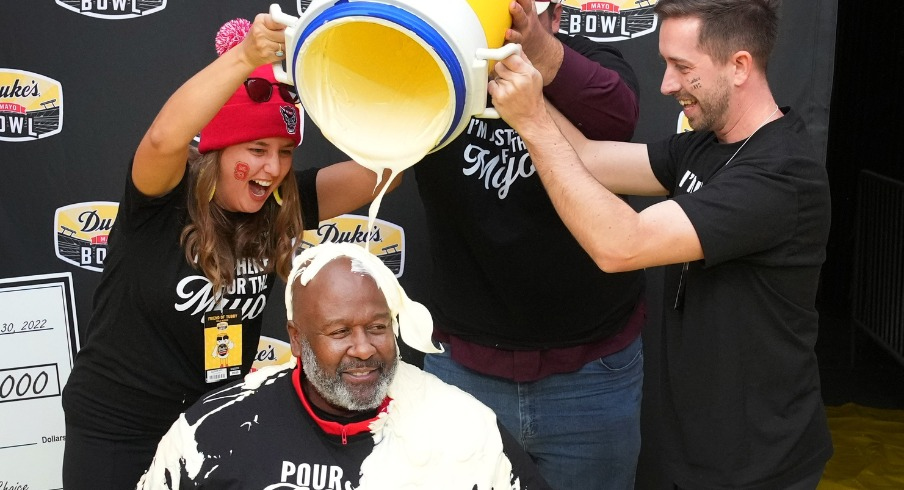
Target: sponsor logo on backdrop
{"type": "Point", "coordinates": [683, 124]}
{"type": "Point", "coordinates": [113, 9]}
{"type": "Point", "coordinates": [81, 231]}
{"type": "Point", "coordinates": [270, 352]}
{"type": "Point", "coordinates": [31, 106]}
{"type": "Point", "coordinates": [386, 240]}
{"type": "Point", "coordinates": [608, 21]}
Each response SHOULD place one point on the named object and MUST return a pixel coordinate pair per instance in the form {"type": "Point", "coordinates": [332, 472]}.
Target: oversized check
{"type": "Point", "coordinates": [38, 341]}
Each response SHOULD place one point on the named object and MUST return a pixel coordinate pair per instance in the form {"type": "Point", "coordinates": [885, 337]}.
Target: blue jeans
{"type": "Point", "coordinates": [581, 428]}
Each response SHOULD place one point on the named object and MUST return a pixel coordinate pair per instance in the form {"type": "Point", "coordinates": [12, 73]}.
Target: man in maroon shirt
{"type": "Point", "coordinates": [530, 325]}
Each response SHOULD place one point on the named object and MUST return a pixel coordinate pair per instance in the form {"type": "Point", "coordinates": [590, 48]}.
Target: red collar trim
{"type": "Point", "coordinates": [329, 426]}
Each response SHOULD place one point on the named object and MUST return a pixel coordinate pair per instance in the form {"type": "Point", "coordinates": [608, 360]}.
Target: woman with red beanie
{"type": "Point", "coordinates": [193, 255]}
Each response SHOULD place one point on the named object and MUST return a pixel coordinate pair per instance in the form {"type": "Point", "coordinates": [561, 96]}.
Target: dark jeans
{"type": "Point", "coordinates": [581, 428]}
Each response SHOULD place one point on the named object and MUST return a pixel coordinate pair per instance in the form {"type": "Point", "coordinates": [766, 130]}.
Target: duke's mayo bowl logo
{"type": "Point", "coordinates": [385, 240]}
{"type": "Point", "coordinates": [81, 232]}
{"type": "Point", "coordinates": [31, 106]}
{"type": "Point", "coordinates": [608, 21]}
{"type": "Point", "coordinates": [113, 9]}
{"type": "Point", "coordinates": [270, 352]}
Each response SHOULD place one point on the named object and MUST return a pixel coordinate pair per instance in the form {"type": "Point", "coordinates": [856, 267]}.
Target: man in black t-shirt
{"type": "Point", "coordinates": [349, 414]}
{"type": "Point", "coordinates": [744, 235]}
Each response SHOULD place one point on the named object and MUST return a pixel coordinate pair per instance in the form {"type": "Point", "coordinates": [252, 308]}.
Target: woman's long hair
{"type": "Point", "coordinates": [214, 240]}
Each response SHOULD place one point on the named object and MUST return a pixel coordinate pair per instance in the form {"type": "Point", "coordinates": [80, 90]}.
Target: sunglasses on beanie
{"type": "Point", "coordinates": [261, 89]}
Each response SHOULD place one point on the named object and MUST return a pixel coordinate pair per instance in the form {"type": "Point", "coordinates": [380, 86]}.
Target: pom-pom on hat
{"type": "Point", "coordinates": [242, 119]}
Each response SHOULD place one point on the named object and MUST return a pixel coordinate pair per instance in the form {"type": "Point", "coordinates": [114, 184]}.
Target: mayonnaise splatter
{"type": "Point", "coordinates": [434, 435]}
{"type": "Point", "coordinates": [180, 443]}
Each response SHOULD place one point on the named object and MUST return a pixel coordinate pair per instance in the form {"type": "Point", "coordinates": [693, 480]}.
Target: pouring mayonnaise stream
{"type": "Point", "coordinates": [388, 82]}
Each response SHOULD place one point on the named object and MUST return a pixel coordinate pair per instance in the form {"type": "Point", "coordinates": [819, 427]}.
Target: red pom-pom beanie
{"type": "Point", "coordinates": [241, 119]}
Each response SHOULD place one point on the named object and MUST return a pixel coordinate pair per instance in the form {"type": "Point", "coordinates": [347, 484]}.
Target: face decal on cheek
{"type": "Point", "coordinates": [241, 171]}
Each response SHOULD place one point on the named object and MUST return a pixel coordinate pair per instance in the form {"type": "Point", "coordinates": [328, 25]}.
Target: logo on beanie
{"type": "Point", "coordinates": [386, 240]}
{"type": "Point", "coordinates": [31, 106]}
{"type": "Point", "coordinates": [81, 233]}
{"type": "Point", "coordinates": [290, 117]}
{"type": "Point", "coordinates": [113, 9]}
{"type": "Point", "coordinates": [608, 21]}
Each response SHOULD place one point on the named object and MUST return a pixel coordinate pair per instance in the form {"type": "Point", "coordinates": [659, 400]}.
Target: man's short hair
{"type": "Point", "coordinates": [729, 26]}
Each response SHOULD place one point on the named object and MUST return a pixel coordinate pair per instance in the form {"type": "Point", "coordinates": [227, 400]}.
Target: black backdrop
{"type": "Point", "coordinates": [115, 69]}
{"type": "Point", "coordinates": [866, 130]}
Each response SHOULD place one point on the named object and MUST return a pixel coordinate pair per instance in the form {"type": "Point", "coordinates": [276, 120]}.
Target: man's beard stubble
{"type": "Point", "coordinates": [335, 391]}
{"type": "Point", "coordinates": [713, 107]}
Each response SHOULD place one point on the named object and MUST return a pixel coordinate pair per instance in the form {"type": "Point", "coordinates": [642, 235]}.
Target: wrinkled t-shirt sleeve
{"type": "Point", "coordinates": [663, 162]}
{"type": "Point", "coordinates": [136, 209]}
{"type": "Point", "coordinates": [746, 211]}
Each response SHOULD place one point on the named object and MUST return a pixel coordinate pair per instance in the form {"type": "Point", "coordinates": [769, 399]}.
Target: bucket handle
{"type": "Point", "coordinates": [279, 71]}
{"type": "Point", "coordinates": [495, 54]}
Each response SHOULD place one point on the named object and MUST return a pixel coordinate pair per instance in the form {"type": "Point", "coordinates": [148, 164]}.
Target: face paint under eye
{"type": "Point", "coordinates": [241, 171]}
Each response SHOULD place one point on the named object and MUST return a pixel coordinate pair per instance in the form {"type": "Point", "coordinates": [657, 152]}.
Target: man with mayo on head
{"type": "Point", "coordinates": [346, 412]}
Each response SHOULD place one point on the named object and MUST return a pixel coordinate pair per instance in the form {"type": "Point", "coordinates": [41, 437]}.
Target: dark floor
{"type": "Point", "coordinates": [871, 377]}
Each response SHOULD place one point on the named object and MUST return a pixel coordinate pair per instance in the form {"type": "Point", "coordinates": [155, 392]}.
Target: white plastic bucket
{"type": "Point", "coordinates": [389, 81]}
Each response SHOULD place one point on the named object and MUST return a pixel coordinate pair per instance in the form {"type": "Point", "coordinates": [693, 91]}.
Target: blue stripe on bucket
{"type": "Point", "coordinates": [407, 20]}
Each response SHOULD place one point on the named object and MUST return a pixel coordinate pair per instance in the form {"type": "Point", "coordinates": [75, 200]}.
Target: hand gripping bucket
{"type": "Point", "coordinates": [388, 81]}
